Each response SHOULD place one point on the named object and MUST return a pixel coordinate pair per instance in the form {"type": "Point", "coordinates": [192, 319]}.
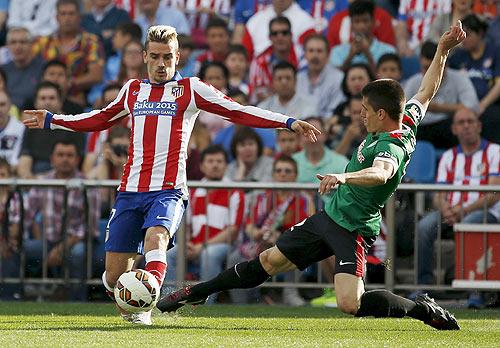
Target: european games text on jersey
{"type": "Point", "coordinates": [357, 208]}
{"type": "Point", "coordinates": [163, 117]}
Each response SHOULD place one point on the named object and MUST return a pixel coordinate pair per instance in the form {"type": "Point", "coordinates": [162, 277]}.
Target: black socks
{"type": "Point", "coordinates": [244, 275]}
{"type": "Point", "coordinates": [383, 303]}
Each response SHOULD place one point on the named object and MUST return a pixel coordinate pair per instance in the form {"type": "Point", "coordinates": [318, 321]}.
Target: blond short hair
{"type": "Point", "coordinates": [163, 34]}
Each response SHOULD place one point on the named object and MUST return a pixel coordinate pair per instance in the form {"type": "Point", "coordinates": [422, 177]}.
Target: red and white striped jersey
{"type": "Point", "coordinates": [163, 116]}
{"type": "Point", "coordinates": [419, 14]}
{"type": "Point", "coordinates": [457, 168]}
{"type": "Point", "coordinates": [127, 5]}
{"type": "Point", "coordinates": [256, 37]}
{"type": "Point", "coordinates": [210, 215]}
{"type": "Point", "coordinates": [197, 18]}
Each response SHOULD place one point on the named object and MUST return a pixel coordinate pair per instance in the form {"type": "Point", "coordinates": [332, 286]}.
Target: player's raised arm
{"type": "Point", "coordinates": [432, 78]}
{"type": "Point", "coordinates": [209, 99]}
{"type": "Point", "coordinates": [90, 121]}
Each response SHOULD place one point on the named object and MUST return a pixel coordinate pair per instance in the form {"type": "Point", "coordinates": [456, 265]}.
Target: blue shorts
{"type": "Point", "coordinates": [134, 212]}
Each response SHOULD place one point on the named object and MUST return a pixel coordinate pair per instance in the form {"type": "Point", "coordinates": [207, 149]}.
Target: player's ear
{"type": "Point", "coordinates": [381, 114]}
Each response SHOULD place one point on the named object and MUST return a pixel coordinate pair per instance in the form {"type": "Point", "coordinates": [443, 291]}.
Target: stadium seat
{"type": "Point", "coordinates": [422, 167]}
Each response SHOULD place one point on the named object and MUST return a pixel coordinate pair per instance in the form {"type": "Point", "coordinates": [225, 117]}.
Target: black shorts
{"type": "Point", "coordinates": [319, 237]}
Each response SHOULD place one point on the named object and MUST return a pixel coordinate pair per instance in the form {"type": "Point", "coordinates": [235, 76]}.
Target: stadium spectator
{"type": "Point", "coordinates": [349, 138]}
{"type": "Point", "coordinates": [56, 72]}
{"type": "Point", "coordinates": [199, 13]}
{"type": "Point", "coordinates": [79, 50]}
{"type": "Point", "coordinates": [35, 15]}
{"type": "Point", "coordinates": [320, 10]}
{"type": "Point", "coordinates": [214, 219]}
{"type": "Point", "coordinates": [456, 91]}
{"type": "Point", "coordinates": [23, 72]}
{"type": "Point", "coordinates": [110, 163]}
{"type": "Point", "coordinates": [10, 236]}
{"type": "Point", "coordinates": [37, 144]}
{"type": "Point", "coordinates": [282, 49]}
{"type": "Point", "coordinates": [480, 60]}
{"type": "Point", "coordinates": [11, 132]}
{"type": "Point", "coordinates": [389, 67]}
{"type": "Point", "coordinates": [123, 34]}
{"type": "Point", "coordinates": [95, 140]}
{"type": "Point", "coordinates": [102, 20]}
{"type": "Point", "coordinates": [340, 31]}
{"type": "Point", "coordinates": [224, 137]}
{"type": "Point", "coordinates": [286, 100]}
{"type": "Point", "coordinates": [441, 23]}
{"type": "Point", "coordinates": [217, 34]}
{"type": "Point", "coordinates": [237, 64]}
{"type": "Point", "coordinates": [152, 12]}
{"type": "Point", "coordinates": [287, 142]}
{"type": "Point", "coordinates": [414, 20]}
{"type": "Point", "coordinates": [363, 47]}
{"type": "Point", "coordinates": [320, 82]}
{"type": "Point", "coordinates": [216, 74]}
{"type": "Point", "coordinates": [249, 162]}
{"type": "Point", "coordinates": [4, 10]}
{"type": "Point", "coordinates": [14, 110]}
{"type": "Point", "coordinates": [355, 78]}
{"type": "Point", "coordinates": [474, 161]}
{"type": "Point", "coordinates": [316, 157]}
{"type": "Point", "coordinates": [132, 65]}
{"type": "Point", "coordinates": [493, 33]}
{"type": "Point", "coordinates": [274, 212]}
{"type": "Point", "coordinates": [64, 158]}
{"type": "Point", "coordinates": [187, 59]}
{"type": "Point", "coordinates": [256, 38]}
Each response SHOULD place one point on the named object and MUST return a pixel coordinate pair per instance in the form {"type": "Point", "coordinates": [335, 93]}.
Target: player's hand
{"type": "Point", "coordinates": [36, 118]}
{"type": "Point", "coordinates": [329, 181]}
{"type": "Point", "coordinates": [306, 129]}
{"type": "Point", "coordinates": [452, 37]}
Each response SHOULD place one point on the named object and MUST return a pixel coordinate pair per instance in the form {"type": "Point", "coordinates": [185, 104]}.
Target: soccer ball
{"type": "Point", "coordinates": [137, 291]}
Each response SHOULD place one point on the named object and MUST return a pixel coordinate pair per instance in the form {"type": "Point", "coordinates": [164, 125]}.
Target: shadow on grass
{"type": "Point", "coordinates": [26, 309]}
{"type": "Point", "coordinates": [191, 327]}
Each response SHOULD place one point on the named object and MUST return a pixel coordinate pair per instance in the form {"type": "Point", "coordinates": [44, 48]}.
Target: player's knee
{"type": "Point", "coordinates": [156, 236]}
{"type": "Point", "coordinates": [348, 304]}
{"type": "Point", "coordinates": [273, 261]}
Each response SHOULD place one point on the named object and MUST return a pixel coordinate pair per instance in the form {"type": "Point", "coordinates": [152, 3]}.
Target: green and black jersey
{"type": "Point", "coordinates": [357, 208]}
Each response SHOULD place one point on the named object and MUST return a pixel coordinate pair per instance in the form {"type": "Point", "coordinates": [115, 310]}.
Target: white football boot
{"type": "Point", "coordinates": [141, 318]}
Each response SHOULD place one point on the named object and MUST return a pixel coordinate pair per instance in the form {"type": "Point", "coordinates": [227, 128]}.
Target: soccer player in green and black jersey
{"type": "Point", "coordinates": [350, 222]}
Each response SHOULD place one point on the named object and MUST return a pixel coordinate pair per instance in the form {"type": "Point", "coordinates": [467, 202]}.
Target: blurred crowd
{"type": "Point", "coordinates": [309, 59]}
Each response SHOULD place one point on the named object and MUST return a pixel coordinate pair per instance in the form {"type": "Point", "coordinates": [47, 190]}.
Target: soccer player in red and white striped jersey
{"type": "Point", "coordinates": [153, 194]}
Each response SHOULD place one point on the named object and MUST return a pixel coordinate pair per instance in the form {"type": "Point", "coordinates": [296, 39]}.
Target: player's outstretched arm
{"type": "Point", "coordinates": [209, 99]}
{"type": "Point", "coordinates": [432, 78]}
{"type": "Point", "coordinates": [378, 174]}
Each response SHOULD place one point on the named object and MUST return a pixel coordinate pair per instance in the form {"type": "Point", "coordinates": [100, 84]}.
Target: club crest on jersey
{"type": "Point", "coordinates": [177, 91]}
{"type": "Point", "coordinates": [360, 156]}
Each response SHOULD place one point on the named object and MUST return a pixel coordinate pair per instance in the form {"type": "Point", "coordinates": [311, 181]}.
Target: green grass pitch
{"type": "Point", "coordinates": [83, 325]}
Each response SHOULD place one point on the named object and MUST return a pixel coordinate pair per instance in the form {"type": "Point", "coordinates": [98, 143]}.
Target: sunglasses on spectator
{"type": "Point", "coordinates": [283, 170]}
{"type": "Point", "coordinates": [280, 32]}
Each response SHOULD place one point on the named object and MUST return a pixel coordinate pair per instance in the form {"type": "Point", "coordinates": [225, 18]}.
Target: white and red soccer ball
{"type": "Point", "coordinates": [137, 291]}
